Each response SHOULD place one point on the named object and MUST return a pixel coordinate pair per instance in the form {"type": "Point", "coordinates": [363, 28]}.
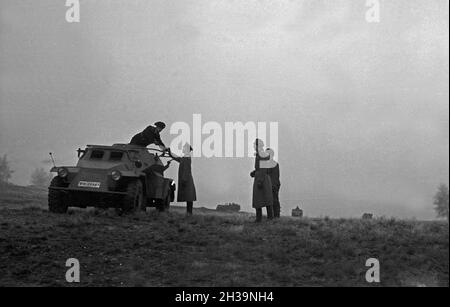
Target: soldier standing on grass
{"type": "Point", "coordinates": [262, 185]}
{"type": "Point", "coordinates": [273, 169]}
{"type": "Point", "coordinates": [186, 187]}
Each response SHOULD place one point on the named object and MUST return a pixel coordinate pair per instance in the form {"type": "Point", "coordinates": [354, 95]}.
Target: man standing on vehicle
{"type": "Point", "coordinates": [149, 136]}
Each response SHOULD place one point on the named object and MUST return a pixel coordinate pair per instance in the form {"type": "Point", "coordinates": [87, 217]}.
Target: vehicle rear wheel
{"type": "Point", "coordinates": [56, 197]}
{"type": "Point", "coordinates": [163, 204]}
{"type": "Point", "coordinates": [134, 200]}
{"type": "Point", "coordinates": [167, 203]}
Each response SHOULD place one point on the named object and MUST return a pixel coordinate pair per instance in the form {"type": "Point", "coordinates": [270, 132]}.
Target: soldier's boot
{"type": "Point", "coordinates": [276, 204]}
{"type": "Point", "coordinates": [189, 207]}
{"type": "Point", "coordinates": [258, 215]}
{"type": "Point", "coordinates": [269, 212]}
{"type": "Point", "coordinates": [276, 209]}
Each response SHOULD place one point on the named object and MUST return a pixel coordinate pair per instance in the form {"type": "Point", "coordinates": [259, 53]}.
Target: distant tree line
{"type": "Point", "coordinates": [441, 201]}
{"type": "Point", "coordinates": [39, 177]}
{"type": "Point", "coordinates": [5, 170]}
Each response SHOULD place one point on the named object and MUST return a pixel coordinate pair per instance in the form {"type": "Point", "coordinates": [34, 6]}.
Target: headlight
{"type": "Point", "coordinates": [62, 172]}
{"type": "Point", "coordinates": [115, 175]}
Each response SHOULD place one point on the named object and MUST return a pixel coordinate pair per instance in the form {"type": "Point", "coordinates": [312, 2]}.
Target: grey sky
{"type": "Point", "coordinates": [362, 108]}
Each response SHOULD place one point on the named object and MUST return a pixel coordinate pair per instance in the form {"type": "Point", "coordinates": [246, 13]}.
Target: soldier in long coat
{"type": "Point", "coordinates": [273, 169]}
{"type": "Point", "coordinates": [262, 184]}
{"type": "Point", "coordinates": [186, 186]}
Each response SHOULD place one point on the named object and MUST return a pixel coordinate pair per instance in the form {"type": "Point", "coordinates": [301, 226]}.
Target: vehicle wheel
{"type": "Point", "coordinates": [164, 204]}
{"type": "Point", "coordinates": [167, 203]}
{"type": "Point", "coordinates": [134, 200]}
{"type": "Point", "coordinates": [55, 197]}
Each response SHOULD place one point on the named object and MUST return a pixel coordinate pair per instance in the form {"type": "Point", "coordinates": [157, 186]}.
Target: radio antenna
{"type": "Point", "coordinates": [51, 156]}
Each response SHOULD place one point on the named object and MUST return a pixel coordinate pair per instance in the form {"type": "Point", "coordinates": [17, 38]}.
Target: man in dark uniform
{"type": "Point", "coordinates": [186, 191]}
{"type": "Point", "coordinates": [150, 135]}
{"type": "Point", "coordinates": [262, 186]}
{"type": "Point", "coordinates": [273, 168]}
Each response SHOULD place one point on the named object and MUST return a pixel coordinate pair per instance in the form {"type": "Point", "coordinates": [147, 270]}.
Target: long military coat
{"type": "Point", "coordinates": [262, 189]}
{"type": "Point", "coordinates": [186, 186]}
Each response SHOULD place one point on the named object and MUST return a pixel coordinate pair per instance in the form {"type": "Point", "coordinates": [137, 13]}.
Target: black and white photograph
{"type": "Point", "coordinates": [224, 150]}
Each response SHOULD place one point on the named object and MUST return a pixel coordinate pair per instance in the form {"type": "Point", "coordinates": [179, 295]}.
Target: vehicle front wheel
{"type": "Point", "coordinates": [56, 197]}
{"type": "Point", "coordinates": [134, 200]}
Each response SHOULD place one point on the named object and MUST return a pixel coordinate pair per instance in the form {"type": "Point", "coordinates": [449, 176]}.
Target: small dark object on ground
{"type": "Point", "coordinates": [229, 208]}
{"type": "Point", "coordinates": [297, 212]}
{"type": "Point", "coordinates": [367, 216]}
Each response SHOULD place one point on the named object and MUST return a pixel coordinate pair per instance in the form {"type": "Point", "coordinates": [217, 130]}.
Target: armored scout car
{"type": "Point", "coordinates": [125, 177]}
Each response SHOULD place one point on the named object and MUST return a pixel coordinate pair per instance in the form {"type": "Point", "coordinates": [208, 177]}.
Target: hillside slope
{"type": "Point", "coordinates": [152, 249]}
{"type": "Point", "coordinates": [14, 196]}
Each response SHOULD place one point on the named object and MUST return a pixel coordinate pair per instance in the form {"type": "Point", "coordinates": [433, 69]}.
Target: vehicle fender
{"type": "Point", "coordinates": [70, 169]}
{"type": "Point", "coordinates": [129, 174]}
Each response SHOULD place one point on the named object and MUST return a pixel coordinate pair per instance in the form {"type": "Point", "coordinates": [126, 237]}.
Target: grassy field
{"type": "Point", "coordinates": [211, 248]}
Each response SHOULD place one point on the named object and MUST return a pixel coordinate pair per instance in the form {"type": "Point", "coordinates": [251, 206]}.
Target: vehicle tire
{"type": "Point", "coordinates": [55, 197]}
{"type": "Point", "coordinates": [134, 200]}
{"type": "Point", "coordinates": [163, 204]}
{"type": "Point", "coordinates": [167, 203]}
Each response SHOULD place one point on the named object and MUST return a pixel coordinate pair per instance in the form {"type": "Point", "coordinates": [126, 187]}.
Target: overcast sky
{"type": "Point", "coordinates": [362, 107]}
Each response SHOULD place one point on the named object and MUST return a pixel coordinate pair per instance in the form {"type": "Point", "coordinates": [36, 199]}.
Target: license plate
{"type": "Point", "coordinates": [89, 184]}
